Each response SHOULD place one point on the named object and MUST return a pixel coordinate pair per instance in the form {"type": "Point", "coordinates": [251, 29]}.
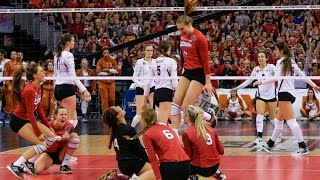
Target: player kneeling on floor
{"type": "Point", "coordinates": [61, 151]}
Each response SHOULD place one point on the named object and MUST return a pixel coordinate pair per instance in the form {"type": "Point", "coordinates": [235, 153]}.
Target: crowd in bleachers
{"type": "Point", "coordinates": [234, 39]}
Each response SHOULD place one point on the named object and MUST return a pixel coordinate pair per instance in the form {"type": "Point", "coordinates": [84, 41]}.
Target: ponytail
{"type": "Point", "coordinates": [16, 87]}
{"type": "Point", "coordinates": [62, 43]}
{"type": "Point", "coordinates": [195, 117]}
{"type": "Point", "coordinates": [287, 64]}
{"type": "Point", "coordinates": [150, 118]}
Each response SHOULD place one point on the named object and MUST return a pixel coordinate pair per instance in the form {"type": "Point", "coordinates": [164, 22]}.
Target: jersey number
{"type": "Point", "coordinates": [159, 71]}
{"type": "Point", "coordinates": [209, 139]}
{"type": "Point", "coordinates": [115, 144]}
{"type": "Point", "coordinates": [168, 134]}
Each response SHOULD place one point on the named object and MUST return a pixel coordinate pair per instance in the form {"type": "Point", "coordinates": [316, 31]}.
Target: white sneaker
{"type": "Point", "coordinates": [73, 159]}
{"type": "Point", "coordinates": [300, 152]}
{"type": "Point", "coordinates": [258, 141]}
{"type": "Point", "coordinates": [304, 118]}
{"type": "Point", "coordinates": [266, 148]}
{"type": "Point", "coordinates": [237, 119]}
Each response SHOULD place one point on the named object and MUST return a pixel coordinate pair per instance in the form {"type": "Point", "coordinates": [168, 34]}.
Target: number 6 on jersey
{"type": "Point", "coordinates": [168, 134]}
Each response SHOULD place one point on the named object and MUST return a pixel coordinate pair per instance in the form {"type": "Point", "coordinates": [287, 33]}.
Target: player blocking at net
{"type": "Point", "coordinates": [196, 75]}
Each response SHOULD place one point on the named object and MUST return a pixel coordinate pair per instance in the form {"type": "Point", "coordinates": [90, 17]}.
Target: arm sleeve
{"type": "Point", "coordinates": [137, 69]}
{"type": "Point", "coordinates": [138, 148]}
{"type": "Point", "coordinates": [28, 98]}
{"type": "Point", "coordinates": [203, 53]}
{"type": "Point", "coordinates": [220, 147]}
{"type": "Point", "coordinates": [42, 116]}
{"type": "Point", "coordinates": [146, 87]}
{"type": "Point", "coordinates": [152, 156]}
{"type": "Point", "coordinates": [72, 73]}
{"type": "Point", "coordinates": [174, 74]}
{"type": "Point", "coordinates": [187, 144]}
{"type": "Point", "coordinates": [248, 81]}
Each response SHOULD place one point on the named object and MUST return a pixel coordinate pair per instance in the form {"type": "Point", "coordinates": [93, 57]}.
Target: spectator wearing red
{"type": "Point", "coordinates": [105, 41]}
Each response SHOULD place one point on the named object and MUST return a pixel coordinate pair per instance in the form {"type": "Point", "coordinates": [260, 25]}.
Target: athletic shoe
{"type": "Point", "coordinates": [73, 159]}
{"type": "Point", "coordinates": [219, 175]}
{"type": "Point", "coordinates": [15, 170]}
{"type": "Point", "coordinates": [266, 148]}
{"type": "Point", "coordinates": [30, 168]}
{"type": "Point", "coordinates": [304, 118]}
{"type": "Point", "coordinates": [65, 169]}
{"type": "Point", "coordinates": [238, 118]}
{"type": "Point", "coordinates": [258, 141]}
{"type": "Point", "coordinates": [301, 151]}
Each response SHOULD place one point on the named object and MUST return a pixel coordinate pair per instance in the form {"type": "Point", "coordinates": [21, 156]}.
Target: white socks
{"type": "Point", "coordinates": [136, 119]}
{"type": "Point", "coordinates": [66, 159]}
{"type": "Point", "coordinates": [278, 126]}
{"type": "Point", "coordinates": [259, 123]}
{"type": "Point", "coordinates": [20, 161]}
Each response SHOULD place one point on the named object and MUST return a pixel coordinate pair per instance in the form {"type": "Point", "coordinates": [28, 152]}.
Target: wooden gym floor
{"type": "Point", "coordinates": [241, 161]}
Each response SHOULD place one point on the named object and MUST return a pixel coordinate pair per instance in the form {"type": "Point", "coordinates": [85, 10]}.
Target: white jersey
{"type": "Point", "coordinates": [142, 69]}
{"type": "Point", "coordinates": [234, 106]}
{"type": "Point", "coordinates": [287, 85]}
{"type": "Point", "coordinates": [64, 67]}
{"type": "Point", "coordinates": [266, 92]}
{"type": "Point", "coordinates": [162, 68]}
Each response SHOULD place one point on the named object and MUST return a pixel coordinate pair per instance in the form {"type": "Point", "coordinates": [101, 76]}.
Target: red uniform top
{"type": "Point", "coordinates": [58, 145]}
{"type": "Point", "coordinates": [31, 102]}
{"type": "Point", "coordinates": [202, 153]}
{"type": "Point", "coordinates": [162, 141]}
{"type": "Point", "coordinates": [195, 51]}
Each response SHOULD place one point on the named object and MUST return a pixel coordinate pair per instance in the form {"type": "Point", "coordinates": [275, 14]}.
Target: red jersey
{"type": "Point", "coordinates": [202, 153]}
{"type": "Point", "coordinates": [31, 102]}
{"type": "Point", "coordinates": [162, 141]}
{"type": "Point", "coordinates": [195, 51]}
{"type": "Point", "coordinates": [58, 145]}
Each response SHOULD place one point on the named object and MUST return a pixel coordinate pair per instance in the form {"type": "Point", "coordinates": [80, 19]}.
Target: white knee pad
{"type": "Point", "coordinates": [74, 143]}
{"type": "Point", "coordinates": [175, 109]}
{"type": "Point", "coordinates": [39, 148]}
{"type": "Point", "coordinates": [278, 124]}
{"type": "Point", "coordinates": [292, 124]}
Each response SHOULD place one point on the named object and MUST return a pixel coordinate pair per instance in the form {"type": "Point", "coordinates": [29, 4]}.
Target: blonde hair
{"type": "Point", "coordinates": [150, 117]}
{"type": "Point", "coordinates": [184, 19]}
{"type": "Point", "coordinates": [194, 116]}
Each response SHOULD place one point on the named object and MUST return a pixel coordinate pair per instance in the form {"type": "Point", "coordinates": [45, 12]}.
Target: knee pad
{"type": "Point", "coordinates": [278, 124]}
{"type": "Point", "coordinates": [175, 109]}
{"type": "Point", "coordinates": [39, 148]}
{"type": "Point", "coordinates": [74, 143]}
{"type": "Point", "coordinates": [292, 124]}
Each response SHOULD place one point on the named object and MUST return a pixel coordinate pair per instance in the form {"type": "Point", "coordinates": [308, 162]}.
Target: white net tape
{"type": "Point", "coordinates": [160, 9]}
{"type": "Point", "coordinates": [158, 78]}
